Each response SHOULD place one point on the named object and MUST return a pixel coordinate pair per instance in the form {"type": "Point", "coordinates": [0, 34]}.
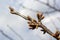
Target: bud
{"type": "Point", "coordinates": [39, 16]}
{"type": "Point", "coordinates": [42, 17]}
{"type": "Point", "coordinates": [11, 9]}
{"type": "Point", "coordinates": [29, 18]}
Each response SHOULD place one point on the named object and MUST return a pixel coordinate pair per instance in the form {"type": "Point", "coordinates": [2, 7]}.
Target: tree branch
{"type": "Point", "coordinates": [34, 24]}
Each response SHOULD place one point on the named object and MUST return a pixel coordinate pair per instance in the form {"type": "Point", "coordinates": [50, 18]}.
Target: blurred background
{"type": "Point", "coordinates": [13, 27]}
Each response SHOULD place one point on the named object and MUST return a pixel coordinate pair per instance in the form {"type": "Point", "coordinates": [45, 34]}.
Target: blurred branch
{"type": "Point", "coordinates": [53, 7]}
{"type": "Point", "coordinates": [36, 10]}
{"type": "Point", "coordinates": [33, 24]}
{"type": "Point", "coordinates": [5, 35]}
{"type": "Point", "coordinates": [28, 8]}
{"type": "Point", "coordinates": [15, 32]}
{"type": "Point", "coordinates": [47, 4]}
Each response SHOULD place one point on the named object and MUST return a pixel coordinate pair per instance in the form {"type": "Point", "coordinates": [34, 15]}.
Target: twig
{"type": "Point", "coordinates": [12, 11]}
{"type": "Point", "coordinates": [34, 24]}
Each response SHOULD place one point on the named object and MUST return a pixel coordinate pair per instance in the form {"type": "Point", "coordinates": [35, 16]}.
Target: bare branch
{"type": "Point", "coordinates": [37, 10]}
{"type": "Point", "coordinates": [34, 24]}
{"type": "Point", "coordinates": [19, 14]}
